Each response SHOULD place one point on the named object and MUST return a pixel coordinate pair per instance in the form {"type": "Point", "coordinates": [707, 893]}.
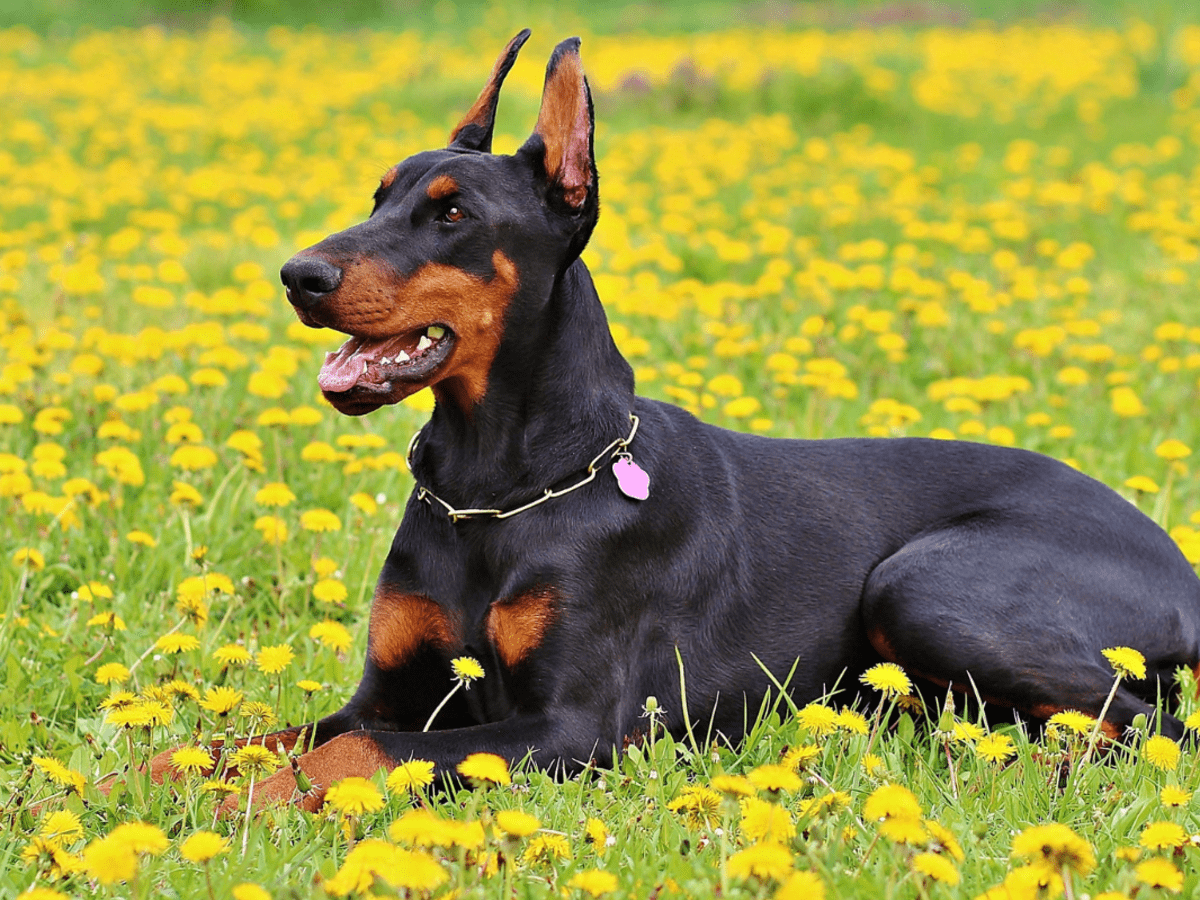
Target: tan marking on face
{"type": "Point", "coordinates": [517, 626]}
{"type": "Point", "coordinates": [442, 186]}
{"type": "Point", "coordinates": [388, 177]}
{"type": "Point", "coordinates": [402, 623]}
{"type": "Point", "coordinates": [373, 302]}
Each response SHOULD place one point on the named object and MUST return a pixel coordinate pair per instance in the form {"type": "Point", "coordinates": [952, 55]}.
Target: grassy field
{"type": "Point", "coordinates": [986, 232]}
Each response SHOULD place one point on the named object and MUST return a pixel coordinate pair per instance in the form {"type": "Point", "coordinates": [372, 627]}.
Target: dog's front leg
{"type": "Point", "coordinates": [363, 753]}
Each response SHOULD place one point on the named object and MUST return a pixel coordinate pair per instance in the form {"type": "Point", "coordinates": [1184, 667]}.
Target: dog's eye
{"type": "Point", "coordinates": [453, 214]}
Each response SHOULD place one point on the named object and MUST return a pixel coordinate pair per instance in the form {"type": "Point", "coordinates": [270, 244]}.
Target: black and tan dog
{"type": "Point", "coordinates": [533, 543]}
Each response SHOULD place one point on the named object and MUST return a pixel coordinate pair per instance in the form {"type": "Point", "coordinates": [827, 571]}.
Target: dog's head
{"type": "Point", "coordinates": [426, 286]}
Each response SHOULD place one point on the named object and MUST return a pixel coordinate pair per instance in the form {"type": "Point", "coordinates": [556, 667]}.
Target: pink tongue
{"type": "Point", "coordinates": [344, 367]}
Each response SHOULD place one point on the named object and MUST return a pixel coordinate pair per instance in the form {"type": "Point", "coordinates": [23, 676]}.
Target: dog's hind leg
{"type": "Point", "coordinates": [1021, 618]}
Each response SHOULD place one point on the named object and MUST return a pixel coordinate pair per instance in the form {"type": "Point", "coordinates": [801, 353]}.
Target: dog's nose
{"type": "Point", "coordinates": [308, 279]}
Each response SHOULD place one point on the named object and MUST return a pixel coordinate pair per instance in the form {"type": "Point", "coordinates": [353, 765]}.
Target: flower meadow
{"type": "Point", "coordinates": [986, 232]}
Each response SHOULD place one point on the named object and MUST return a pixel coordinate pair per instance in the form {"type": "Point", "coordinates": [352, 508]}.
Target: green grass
{"type": "Point", "coordinates": [772, 223]}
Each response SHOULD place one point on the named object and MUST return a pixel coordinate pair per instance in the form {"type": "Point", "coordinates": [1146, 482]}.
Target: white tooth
{"type": "Point", "coordinates": [424, 343]}
{"type": "Point", "coordinates": [435, 331]}
{"type": "Point", "coordinates": [364, 367]}
{"type": "Point", "coordinates": [402, 357]}
{"type": "Point", "coordinates": [385, 361]}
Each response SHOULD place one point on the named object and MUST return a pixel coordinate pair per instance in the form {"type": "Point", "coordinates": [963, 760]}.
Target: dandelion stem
{"type": "Point", "coordinates": [445, 700]}
{"type": "Point", "coordinates": [1094, 737]}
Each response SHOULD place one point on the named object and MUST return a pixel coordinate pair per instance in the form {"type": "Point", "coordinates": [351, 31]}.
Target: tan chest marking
{"type": "Point", "coordinates": [401, 623]}
{"type": "Point", "coordinates": [516, 626]}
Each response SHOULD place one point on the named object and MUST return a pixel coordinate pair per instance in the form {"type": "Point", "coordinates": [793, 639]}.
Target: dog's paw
{"type": "Point", "coordinates": [276, 790]}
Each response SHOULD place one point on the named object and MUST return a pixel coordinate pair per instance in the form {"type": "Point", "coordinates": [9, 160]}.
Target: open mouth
{"type": "Point", "coordinates": [374, 364]}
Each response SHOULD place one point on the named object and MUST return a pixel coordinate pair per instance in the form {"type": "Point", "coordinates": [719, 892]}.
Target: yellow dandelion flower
{"type": "Point", "coordinates": [258, 713]}
{"type": "Point", "coordinates": [193, 457]}
{"type": "Point", "coordinates": [192, 760]}
{"type": "Point", "coordinates": [276, 493]}
{"type": "Point", "coordinates": [485, 767]}
{"type": "Point", "coordinates": [517, 823]}
{"type": "Point", "coordinates": [142, 537]}
{"type": "Point", "coordinates": [320, 520]}
{"type": "Point", "coordinates": [309, 686]}
{"type": "Point", "coordinates": [1172, 797]}
{"type": "Point", "coordinates": [109, 620]}
{"type": "Point", "coordinates": [936, 867]}
{"type": "Point", "coordinates": [203, 846]}
{"type": "Point", "coordinates": [62, 826]}
{"type": "Point", "coordinates": [30, 557]}
{"type": "Point", "coordinates": [232, 655]}
{"type": "Point", "coordinates": [593, 881]}
{"type": "Point", "coordinates": [273, 529]}
{"type": "Point", "coordinates": [249, 891]}
{"type": "Point", "coordinates": [871, 761]}
{"type": "Point", "coordinates": [1160, 873]}
{"type": "Point", "coordinates": [775, 778]}
{"type": "Point", "coordinates": [852, 722]}
{"type": "Point", "coordinates": [1163, 836]}
{"type": "Point", "coordinates": [1143, 484]}
{"type": "Point", "coordinates": [185, 495]}
{"type": "Point", "coordinates": [818, 719]}
{"type": "Point", "coordinates": [801, 886]}
{"type": "Point", "coordinates": [109, 861]}
{"type": "Point", "coordinates": [221, 700]}
{"type": "Point", "coordinates": [365, 503]}
{"type": "Point", "coordinates": [330, 590]}
{"type": "Point", "coordinates": [177, 643]}
{"type": "Point", "coordinates": [411, 777]}
{"type": "Point", "coordinates": [374, 859]}
{"type": "Point", "coordinates": [767, 861]}
{"type": "Point", "coordinates": [112, 673]}
{"type": "Point", "coordinates": [887, 678]}
{"type": "Point", "coordinates": [763, 821]}
{"type": "Point", "coordinates": [422, 828]}
{"type": "Point", "coordinates": [1126, 661]}
{"type": "Point", "coordinates": [696, 803]}
{"type": "Point", "coordinates": [944, 839]}
{"type": "Point", "coordinates": [904, 830]}
{"type": "Point", "coordinates": [891, 801]}
{"type": "Point", "coordinates": [331, 634]}
{"type": "Point", "coordinates": [273, 660]}
{"type": "Point", "coordinates": [546, 848]}
{"type": "Point", "coordinates": [255, 759]}
{"type": "Point", "coordinates": [140, 837]}
{"type": "Point", "coordinates": [466, 669]}
{"type": "Point", "coordinates": [1172, 449]}
{"type": "Point", "coordinates": [1193, 721]}
{"type": "Point", "coordinates": [995, 748]}
{"type": "Point", "coordinates": [325, 567]}
{"type": "Point", "coordinates": [49, 857]}
{"type": "Point", "coordinates": [61, 775]}
{"type": "Point", "coordinates": [596, 833]}
{"type": "Point", "coordinates": [733, 785]}
{"type": "Point", "coordinates": [354, 796]}
{"type": "Point", "coordinates": [1054, 845]}
{"type": "Point", "coordinates": [1070, 721]}
{"type": "Point", "coordinates": [1161, 752]}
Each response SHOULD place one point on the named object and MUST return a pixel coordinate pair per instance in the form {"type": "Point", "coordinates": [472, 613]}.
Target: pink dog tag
{"type": "Point", "coordinates": [631, 479]}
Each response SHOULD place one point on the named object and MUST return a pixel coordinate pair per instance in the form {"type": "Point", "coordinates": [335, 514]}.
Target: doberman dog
{"type": "Point", "coordinates": [573, 536]}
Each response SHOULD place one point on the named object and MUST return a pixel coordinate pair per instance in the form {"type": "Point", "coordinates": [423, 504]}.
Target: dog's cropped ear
{"type": "Point", "coordinates": [565, 127]}
{"type": "Point", "coordinates": [474, 132]}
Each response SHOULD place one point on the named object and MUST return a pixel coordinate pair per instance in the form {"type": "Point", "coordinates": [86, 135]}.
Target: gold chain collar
{"type": "Point", "coordinates": [616, 448]}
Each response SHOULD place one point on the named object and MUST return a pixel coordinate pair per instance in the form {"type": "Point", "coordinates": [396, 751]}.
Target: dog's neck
{"type": "Point", "coordinates": [558, 393]}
